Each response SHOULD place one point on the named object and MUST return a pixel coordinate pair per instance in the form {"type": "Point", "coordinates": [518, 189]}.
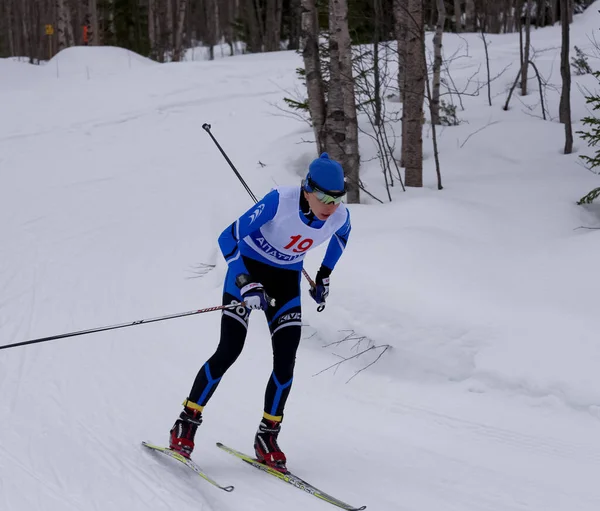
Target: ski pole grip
{"type": "Point", "coordinates": [206, 126]}
{"type": "Point", "coordinates": [270, 301]}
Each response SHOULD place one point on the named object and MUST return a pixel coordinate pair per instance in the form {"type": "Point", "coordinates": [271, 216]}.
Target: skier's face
{"type": "Point", "coordinates": [322, 211]}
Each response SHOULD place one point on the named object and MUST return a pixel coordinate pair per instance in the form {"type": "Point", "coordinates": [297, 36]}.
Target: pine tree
{"type": "Point", "coordinates": [592, 137]}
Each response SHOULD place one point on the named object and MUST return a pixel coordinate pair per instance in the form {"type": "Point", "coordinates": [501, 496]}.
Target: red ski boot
{"type": "Point", "coordinates": [183, 431]}
{"type": "Point", "coordinates": [265, 445]}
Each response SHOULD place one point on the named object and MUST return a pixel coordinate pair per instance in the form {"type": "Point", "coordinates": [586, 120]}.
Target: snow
{"type": "Point", "coordinates": [112, 198]}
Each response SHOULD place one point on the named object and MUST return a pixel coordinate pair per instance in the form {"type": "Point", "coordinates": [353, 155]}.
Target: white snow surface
{"type": "Point", "coordinates": [112, 198]}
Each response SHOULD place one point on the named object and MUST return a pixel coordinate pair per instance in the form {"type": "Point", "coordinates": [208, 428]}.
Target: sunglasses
{"type": "Point", "coordinates": [322, 196]}
{"type": "Point", "coordinates": [325, 198]}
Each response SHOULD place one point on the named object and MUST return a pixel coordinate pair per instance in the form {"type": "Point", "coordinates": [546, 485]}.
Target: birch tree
{"type": "Point", "coordinates": [335, 127]}
{"type": "Point", "coordinates": [63, 24]}
{"type": "Point", "coordinates": [352, 157]}
{"type": "Point", "coordinates": [179, 30]}
{"type": "Point", "coordinates": [437, 62]}
{"type": "Point", "coordinates": [401, 22]}
{"type": "Point", "coordinates": [412, 146]}
{"type": "Point", "coordinates": [309, 42]}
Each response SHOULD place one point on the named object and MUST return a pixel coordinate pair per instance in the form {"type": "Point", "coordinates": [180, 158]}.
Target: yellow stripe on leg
{"type": "Point", "coordinates": [276, 418]}
{"type": "Point", "coordinates": [194, 406]}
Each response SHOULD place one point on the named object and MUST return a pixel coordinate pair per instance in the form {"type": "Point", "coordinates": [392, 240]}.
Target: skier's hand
{"type": "Point", "coordinates": [253, 293]}
{"type": "Point", "coordinates": [254, 296]}
{"type": "Point", "coordinates": [320, 292]}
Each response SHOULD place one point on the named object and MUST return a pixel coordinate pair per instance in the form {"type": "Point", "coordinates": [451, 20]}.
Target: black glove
{"type": "Point", "coordinates": [253, 293]}
{"type": "Point", "coordinates": [320, 292]}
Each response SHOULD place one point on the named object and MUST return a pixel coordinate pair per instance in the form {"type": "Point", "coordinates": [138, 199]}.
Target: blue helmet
{"type": "Point", "coordinates": [326, 175]}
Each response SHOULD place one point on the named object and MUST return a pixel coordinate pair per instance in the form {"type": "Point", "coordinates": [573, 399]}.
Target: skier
{"type": "Point", "coordinates": [264, 249]}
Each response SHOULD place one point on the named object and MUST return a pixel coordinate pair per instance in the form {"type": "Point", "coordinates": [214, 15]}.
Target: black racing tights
{"type": "Point", "coordinates": [285, 326]}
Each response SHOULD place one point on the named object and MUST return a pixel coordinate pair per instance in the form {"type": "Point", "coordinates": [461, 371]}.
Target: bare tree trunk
{"type": "Point", "coordinates": [213, 19]}
{"type": "Point", "coordinates": [565, 71]}
{"type": "Point", "coordinates": [415, 90]}
{"type": "Point", "coordinates": [170, 22]}
{"type": "Point", "coordinates": [35, 20]}
{"type": "Point", "coordinates": [179, 31]}
{"type": "Point", "coordinates": [436, 154]}
{"type": "Point", "coordinates": [553, 11]}
{"type": "Point", "coordinates": [228, 25]}
{"type": "Point", "coordinates": [437, 62]}
{"type": "Point", "coordinates": [152, 28]}
{"type": "Point", "coordinates": [19, 43]}
{"type": "Point", "coordinates": [112, 33]}
{"type": "Point", "coordinates": [9, 23]}
{"type": "Point", "coordinates": [470, 16]}
{"type": "Point", "coordinates": [13, 20]}
{"type": "Point", "coordinates": [255, 39]}
{"type": "Point", "coordinates": [335, 126]}
{"type": "Point", "coordinates": [571, 7]}
{"type": "Point", "coordinates": [26, 35]}
{"type": "Point", "coordinates": [270, 26]}
{"type": "Point", "coordinates": [61, 24]}
{"type": "Point", "coordinates": [519, 23]}
{"type": "Point", "coordinates": [400, 23]}
{"type": "Point", "coordinates": [540, 19]}
{"type": "Point", "coordinates": [160, 36]}
{"type": "Point", "coordinates": [509, 25]}
{"type": "Point", "coordinates": [526, 49]}
{"type": "Point", "coordinates": [432, 13]}
{"type": "Point", "coordinates": [69, 24]}
{"type": "Point", "coordinates": [295, 25]}
{"type": "Point", "coordinates": [457, 16]}
{"type": "Point", "coordinates": [494, 22]}
{"type": "Point", "coordinates": [260, 23]}
{"type": "Point", "coordinates": [309, 42]}
{"type": "Point", "coordinates": [376, 75]}
{"type": "Point", "coordinates": [487, 65]}
{"type": "Point", "coordinates": [94, 27]}
{"type": "Point", "coordinates": [352, 156]}
{"type": "Point", "coordinates": [273, 26]}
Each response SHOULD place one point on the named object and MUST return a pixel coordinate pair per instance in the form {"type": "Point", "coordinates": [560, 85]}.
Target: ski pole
{"type": "Point", "coordinates": [206, 127]}
{"type": "Point", "coordinates": [122, 325]}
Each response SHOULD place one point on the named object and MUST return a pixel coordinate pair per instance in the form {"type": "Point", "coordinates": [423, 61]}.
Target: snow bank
{"type": "Point", "coordinates": [91, 62]}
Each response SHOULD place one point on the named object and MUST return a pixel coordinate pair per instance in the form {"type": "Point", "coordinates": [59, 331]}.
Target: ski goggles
{"type": "Point", "coordinates": [325, 197]}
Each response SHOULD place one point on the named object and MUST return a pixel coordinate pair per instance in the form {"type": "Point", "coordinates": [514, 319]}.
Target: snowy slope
{"type": "Point", "coordinates": [112, 198]}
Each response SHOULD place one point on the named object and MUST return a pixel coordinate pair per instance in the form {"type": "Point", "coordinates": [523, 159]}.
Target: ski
{"type": "Point", "coordinates": [187, 462]}
{"type": "Point", "coordinates": [290, 478]}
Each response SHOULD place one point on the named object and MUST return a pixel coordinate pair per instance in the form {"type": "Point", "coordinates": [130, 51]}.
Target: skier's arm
{"type": "Point", "coordinates": [336, 247]}
{"type": "Point", "coordinates": [250, 221]}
